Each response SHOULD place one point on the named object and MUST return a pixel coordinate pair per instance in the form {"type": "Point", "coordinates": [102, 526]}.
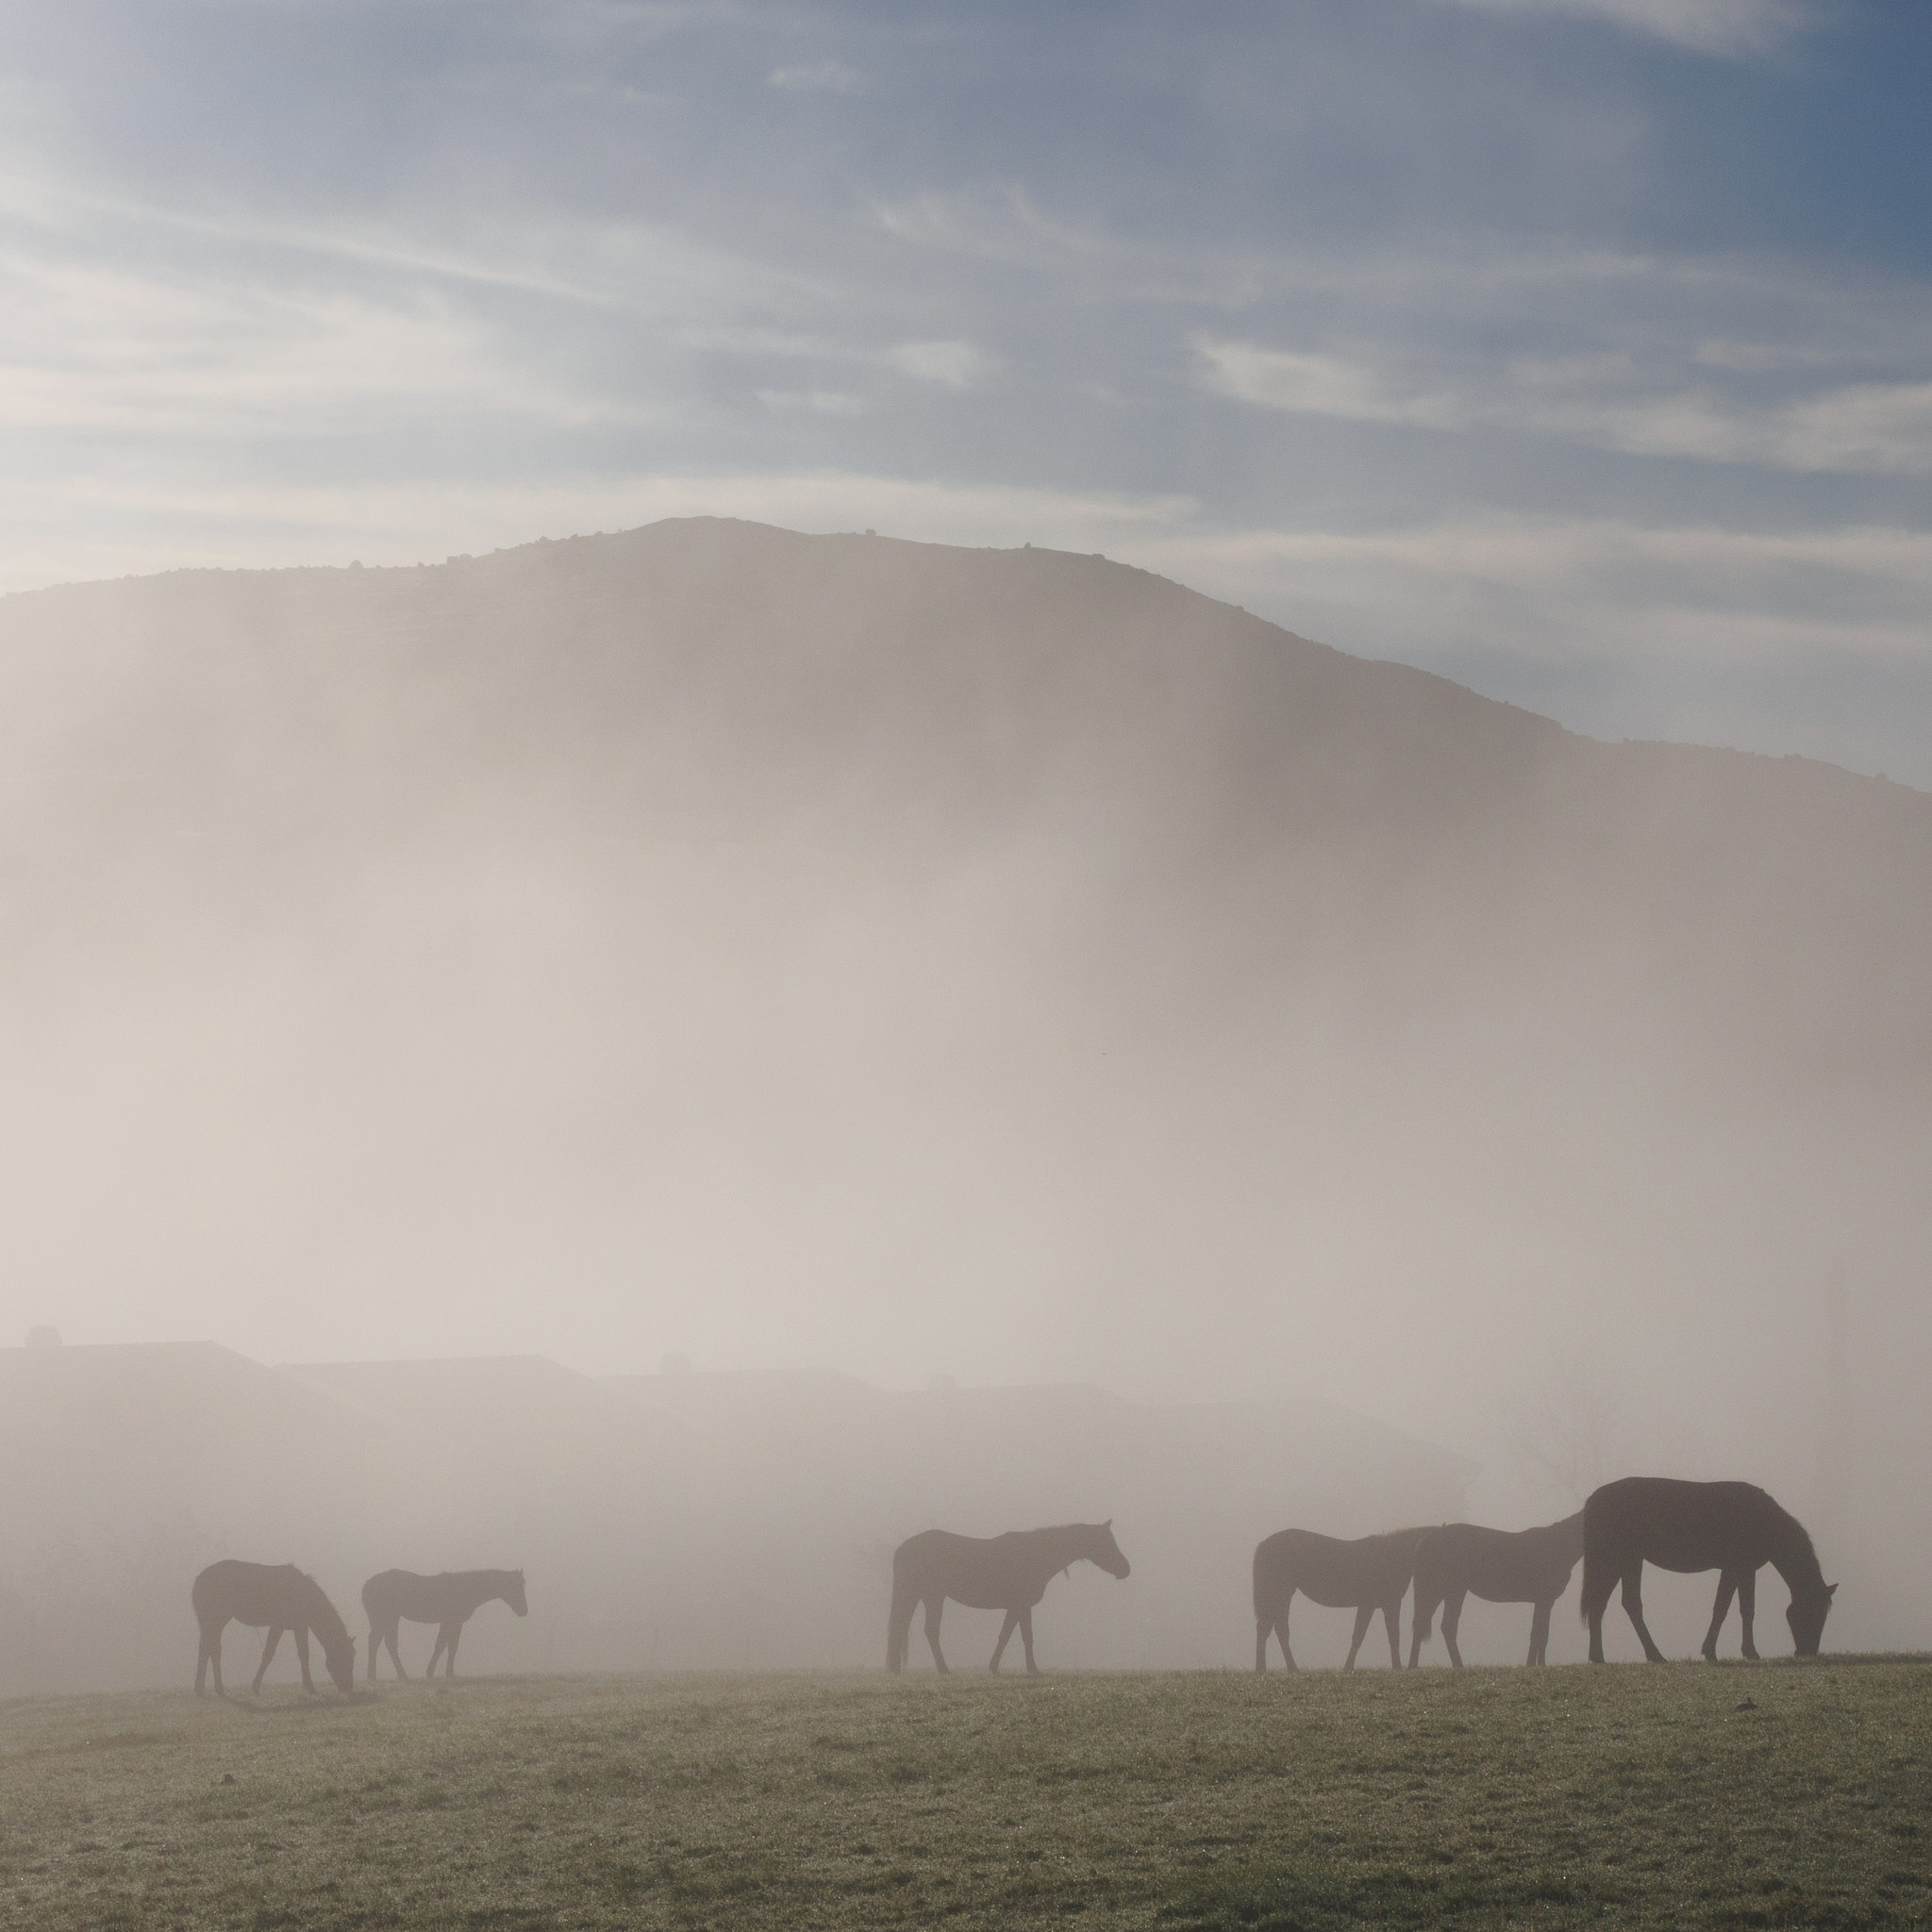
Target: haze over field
{"type": "Point", "coordinates": [839, 952]}
{"type": "Point", "coordinates": [981, 1003]}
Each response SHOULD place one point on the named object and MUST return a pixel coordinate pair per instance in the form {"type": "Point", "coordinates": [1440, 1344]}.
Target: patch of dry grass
{"type": "Point", "coordinates": [1735, 1796]}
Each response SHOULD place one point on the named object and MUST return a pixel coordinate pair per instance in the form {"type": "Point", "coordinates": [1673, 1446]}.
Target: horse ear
{"type": "Point", "coordinates": [1108, 1523]}
{"type": "Point", "coordinates": [1831, 1590]}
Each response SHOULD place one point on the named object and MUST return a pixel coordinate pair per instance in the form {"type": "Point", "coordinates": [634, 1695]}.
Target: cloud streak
{"type": "Point", "coordinates": [1872, 429]}
{"type": "Point", "coordinates": [1707, 26]}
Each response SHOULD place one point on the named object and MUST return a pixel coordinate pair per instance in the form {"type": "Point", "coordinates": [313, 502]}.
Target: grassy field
{"type": "Point", "coordinates": [1774, 1794]}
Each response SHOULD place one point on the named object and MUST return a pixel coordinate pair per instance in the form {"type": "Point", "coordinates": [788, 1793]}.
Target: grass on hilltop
{"type": "Point", "coordinates": [1737, 1796]}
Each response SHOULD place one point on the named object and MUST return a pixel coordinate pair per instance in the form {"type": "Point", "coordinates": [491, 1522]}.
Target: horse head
{"type": "Point", "coordinates": [513, 1596]}
{"type": "Point", "coordinates": [1105, 1551]}
{"type": "Point", "coordinates": [1806, 1617]}
{"type": "Point", "coordinates": [342, 1665]}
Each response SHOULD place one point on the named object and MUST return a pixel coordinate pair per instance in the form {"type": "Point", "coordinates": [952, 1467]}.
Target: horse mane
{"type": "Point", "coordinates": [1804, 1554]}
{"type": "Point", "coordinates": [323, 1618]}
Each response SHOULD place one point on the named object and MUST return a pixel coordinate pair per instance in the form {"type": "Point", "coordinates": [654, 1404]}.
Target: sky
{"type": "Point", "coordinates": [1580, 350]}
{"type": "Point", "coordinates": [1575, 348]}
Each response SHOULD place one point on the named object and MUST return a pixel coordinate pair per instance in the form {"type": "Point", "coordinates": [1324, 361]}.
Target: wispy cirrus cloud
{"type": "Point", "coordinates": [1320, 385]}
{"type": "Point", "coordinates": [1709, 26]}
{"type": "Point", "coordinates": [1865, 428]}
{"type": "Point", "coordinates": [950, 364]}
{"type": "Point", "coordinates": [1002, 224]}
{"type": "Point", "coordinates": [818, 78]}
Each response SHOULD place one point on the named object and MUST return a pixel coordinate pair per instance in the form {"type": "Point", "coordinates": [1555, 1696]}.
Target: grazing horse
{"type": "Point", "coordinates": [989, 1572]}
{"type": "Point", "coordinates": [1733, 1528]}
{"type": "Point", "coordinates": [449, 1599]}
{"type": "Point", "coordinates": [283, 1598]}
{"type": "Point", "coordinates": [1500, 1566]}
{"type": "Point", "coordinates": [1369, 1574]}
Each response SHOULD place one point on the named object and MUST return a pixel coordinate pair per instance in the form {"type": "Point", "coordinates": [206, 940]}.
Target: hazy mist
{"type": "Point", "coordinates": [834, 953]}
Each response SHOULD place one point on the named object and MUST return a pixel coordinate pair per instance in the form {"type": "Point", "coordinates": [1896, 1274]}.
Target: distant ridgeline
{"type": "Point", "coordinates": [673, 1520]}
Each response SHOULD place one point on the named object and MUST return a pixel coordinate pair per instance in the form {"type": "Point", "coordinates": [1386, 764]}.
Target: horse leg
{"type": "Point", "coordinates": [1363, 1612]}
{"type": "Point", "coordinates": [1633, 1608]}
{"type": "Point", "coordinates": [1747, 1609]}
{"type": "Point", "coordinates": [1262, 1626]}
{"type": "Point", "coordinates": [395, 1655]}
{"type": "Point", "coordinates": [456, 1637]}
{"type": "Point", "coordinates": [1726, 1588]}
{"type": "Point", "coordinates": [1418, 1627]}
{"type": "Point", "coordinates": [1026, 1639]}
{"type": "Point", "coordinates": [268, 1650]}
{"type": "Point", "coordinates": [1596, 1600]}
{"type": "Point", "coordinates": [210, 1654]}
{"type": "Point", "coordinates": [1452, 1623]}
{"type": "Point", "coordinates": [899, 1625]}
{"type": "Point", "coordinates": [1391, 1622]}
{"type": "Point", "coordinates": [1540, 1634]}
{"type": "Point", "coordinates": [999, 1649]}
{"type": "Point", "coordinates": [302, 1652]}
{"type": "Point", "coordinates": [934, 1604]}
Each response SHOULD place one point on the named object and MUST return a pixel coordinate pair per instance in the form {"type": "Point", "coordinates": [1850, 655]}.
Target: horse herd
{"type": "Point", "coordinates": [280, 1597]}
{"type": "Point", "coordinates": [1734, 1528]}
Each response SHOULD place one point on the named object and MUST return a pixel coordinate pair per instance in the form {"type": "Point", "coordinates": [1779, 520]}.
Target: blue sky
{"type": "Point", "coordinates": [1578, 349]}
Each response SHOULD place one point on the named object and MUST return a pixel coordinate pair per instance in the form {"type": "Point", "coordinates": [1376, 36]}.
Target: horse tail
{"type": "Point", "coordinates": [905, 1601]}
{"type": "Point", "coordinates": [1596, 1586]}
{"type": "Point", "coordinates": [1274, 1585]}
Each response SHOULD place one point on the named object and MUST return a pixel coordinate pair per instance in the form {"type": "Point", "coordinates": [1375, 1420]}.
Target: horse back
{"type": "Point", "coordinates": [257, 1595]}
{"type": "Point", "coordinates": [1338, 1573]}
{"type": "Point", "coordinates": [984, 1572]}
{"type": "Point", "coordinates": [1684, 1526]}
{"type": "Point", "coordinates": [418, 1599]}
{"type": "Point", "coordinates": [1498, 1565]}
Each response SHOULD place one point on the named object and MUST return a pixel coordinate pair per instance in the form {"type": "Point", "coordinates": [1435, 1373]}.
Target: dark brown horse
{"type": "Point", "coordinates": [1368, 1575]}
{"type": "Point", "coordinates": [1733, 1528]}
{"type": "Point", "coordinates": [449, 1599]}
{"type": "Point", "coordinates": [989, 1572]}
{"type": "Point", "coordinates": [1500, 1566]}
{"type": "Point", "coordinates": [283, 1598]}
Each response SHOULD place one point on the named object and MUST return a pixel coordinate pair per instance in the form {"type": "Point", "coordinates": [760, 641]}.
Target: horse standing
{"type": "Point", "coordinates": [1367, 1575]}
{"type": "Point", "coordinates": [283, 1598]}
{"type": "Point", "coordinates": [1500, 1566]}
{"type": "Point", "coordinates": [1734, 1528]}
{"type": "Point", "coordinates": [448, 1600]}
{"type": "Point", "coordinates": [999, 1572]}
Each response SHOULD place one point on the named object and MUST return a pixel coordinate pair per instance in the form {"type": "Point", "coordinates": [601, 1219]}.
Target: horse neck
{"type": "Point", "coordinates": [1793, 1555]}
{"type": "Point", "coordinates": [322, 1619]}
{"type": "Point", "coordinates": [1065, 1544]}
